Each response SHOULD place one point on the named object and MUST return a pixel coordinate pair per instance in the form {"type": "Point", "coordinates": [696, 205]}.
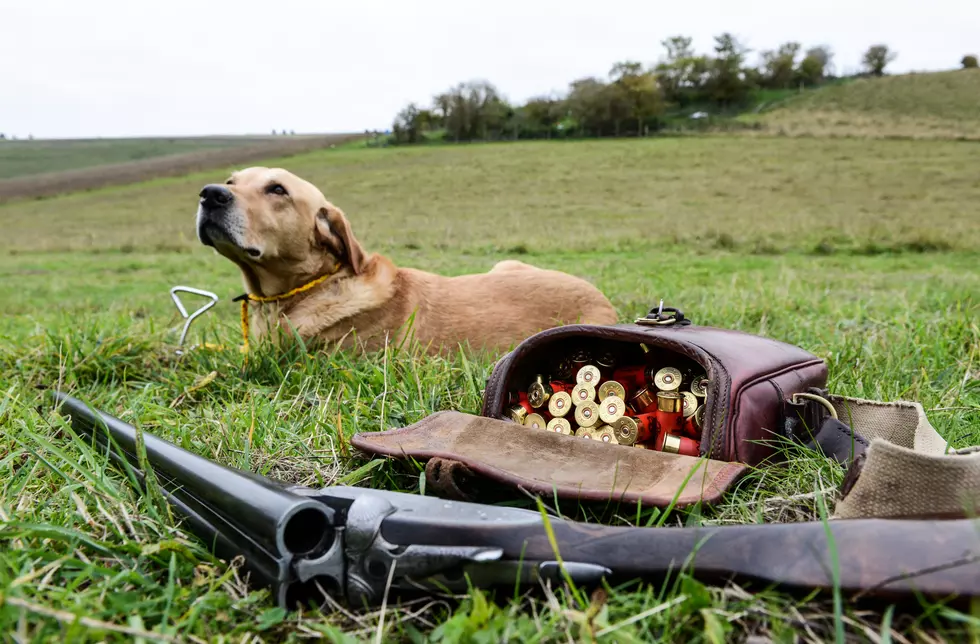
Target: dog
{"type": "Point", "coordinates": [297, 252]}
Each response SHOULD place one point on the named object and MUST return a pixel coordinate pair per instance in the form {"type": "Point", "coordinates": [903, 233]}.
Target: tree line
{"type": "Point", "coordinates": [634, 100]}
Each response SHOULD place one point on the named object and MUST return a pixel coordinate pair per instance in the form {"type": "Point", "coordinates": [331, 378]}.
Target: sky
{"type": "Point", "coordinates": [119, 68]}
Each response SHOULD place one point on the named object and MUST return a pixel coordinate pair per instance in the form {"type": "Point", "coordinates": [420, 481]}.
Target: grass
{"type": "Point", "coordinates": [941, 105]}
{"type": "Point", "coordinates": [808, 196]}
{"type": "Point", "coordinates": [22, 158]}
{"type": "Point", "coordinates": [86, 306]}
{"type": "Point", "coordinates": [47, 168]}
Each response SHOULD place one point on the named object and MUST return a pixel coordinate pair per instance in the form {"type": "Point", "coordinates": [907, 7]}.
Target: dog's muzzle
{"type": "Point", "coordinates": [212, 212]}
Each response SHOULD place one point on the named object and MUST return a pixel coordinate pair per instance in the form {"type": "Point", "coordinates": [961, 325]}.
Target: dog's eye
{"type": "Point", "coordinates": [276, 189]}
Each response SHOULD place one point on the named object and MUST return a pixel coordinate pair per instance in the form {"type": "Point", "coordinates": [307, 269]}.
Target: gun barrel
{"type": "Point", "coordinates": [236, 512]}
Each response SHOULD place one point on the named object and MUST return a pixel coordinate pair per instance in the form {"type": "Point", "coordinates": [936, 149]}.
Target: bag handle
{"type": "Point", "coordinates": [897, 463]}
{"type": "Point", "coordinates": [663, 316]}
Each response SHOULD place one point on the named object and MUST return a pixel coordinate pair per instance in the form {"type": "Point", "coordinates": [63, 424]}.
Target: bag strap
{"type": "Point", "coordinates": [898, 464]}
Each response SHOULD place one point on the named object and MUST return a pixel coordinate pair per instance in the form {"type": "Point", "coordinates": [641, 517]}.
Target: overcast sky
{"type": "Point", "coordinates": [179, 67]}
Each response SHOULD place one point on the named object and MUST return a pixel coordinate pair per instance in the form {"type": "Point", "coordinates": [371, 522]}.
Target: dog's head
{"type": "Point", "coordinates": [278, 228]}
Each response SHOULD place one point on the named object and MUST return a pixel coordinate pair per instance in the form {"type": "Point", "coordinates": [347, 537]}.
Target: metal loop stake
{"type": "Point", "coordinates": [183, 311]}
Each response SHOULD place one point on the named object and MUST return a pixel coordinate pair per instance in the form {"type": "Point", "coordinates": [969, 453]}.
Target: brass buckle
{"type": "Point", "coordinates": [658, 317]}
{"type": "Point", "coordinates": [818, 399]}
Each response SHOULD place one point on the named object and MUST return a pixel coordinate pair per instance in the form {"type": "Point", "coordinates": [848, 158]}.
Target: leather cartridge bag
{"type": "Point", "coordinates": [751, 382]}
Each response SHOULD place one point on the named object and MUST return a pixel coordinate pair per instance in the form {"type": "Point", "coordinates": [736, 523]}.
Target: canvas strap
{"type": "Point", "coordinates": [905, 468]}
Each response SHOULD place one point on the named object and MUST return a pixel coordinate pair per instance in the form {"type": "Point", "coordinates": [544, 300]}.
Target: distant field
{"type": "Point", "coordinates": [865, 253]}
{"type": "Point", "coordinates": [43, 168]}
{"type": "Point", "coordinates": [941, 105]}
{"type": "Point", "coordinates": [22, 158]}
{"type": "Point", "coordinates": [758, 195]}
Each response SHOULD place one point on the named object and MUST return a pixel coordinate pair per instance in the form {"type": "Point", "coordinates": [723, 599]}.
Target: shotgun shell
{"type": "Point", "coordinates": [589, 375]}
{"type": "Point", "coordinates": [579, 359]}
{"type": "Point", "coordinates": [670, 401]}
{"type": "Point", "coordinates": [611, 388]}
{"type": "Point", "coordinates": [582, 394]}
{"type": "Point", "coordinates": [560, 404]}
{"type": "Point", "coordinates": [631, 377]}
{"type": "Point", "coordinates": [699, 386]}
{"type": "Point", "coordinates": [643, 403]}
{"type": "Point", "coordinates": [584, 432]}
{"type": "Point", "coordinates": [539, 393]}
{"type": "Point", "coordinates": [606, 434]}
{"type": "Point", "coordinates": [560, 426]}
{"type": "Point", "coordinates": [690, 404]}
{"type": "Point", "coordinates": [667, 379]}
{"type": "Point", "coordinates": [611, 409]}
{"type": "Point", "coordinates": [670, 416]}
{"type": "Point", "coordinates": [535, 421]}
{"type": "Point", "coordinates": [518, 414]}
{"type": "Point", "coordinates": [646, 427]}
{"type": "Point", "coordinates": [562, 369]}
{"type": "Point", "coordinates": [680, 445]}
{"type": "Point", "coordinates": [692, 425]}
{"type": "Point", "coordinates": [626, 430]}
{"type": "Point", "coordinates": [643, 445]}
{"type": "Point", "coordinates": [606, 362]}
{"type": "Point", "coordinates": [587, 414]}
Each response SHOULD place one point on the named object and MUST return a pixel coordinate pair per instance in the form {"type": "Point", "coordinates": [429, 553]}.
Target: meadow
{"type": "Point", "coordinates": [939, 105]}
{"type": "Point", "coordinates": [862, 252]}
{"type": "Point", "coordinates": [43, 168]}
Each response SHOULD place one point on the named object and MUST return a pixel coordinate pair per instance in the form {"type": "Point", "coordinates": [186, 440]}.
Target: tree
{"type": "Point", "coordinates": [542, 113]}
{"type": "Point", "coordinates": [969, 62]}
{"type": "Point", "coordinates": [779, 66]}
{"type": "Point", "coordinates": [877, 58]}
{"type": "Point", "coordinates": [726, 83]}
{"type": "Point", "coordinates": [814, 66]}
{"type": "Point", "coordinates": [638, 91]}
{"type": "Point", "coordinates": [587, 104]}
{"type": "Point", "coordinates": [407, 125]}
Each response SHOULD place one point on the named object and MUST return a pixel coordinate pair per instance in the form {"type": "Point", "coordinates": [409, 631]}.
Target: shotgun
{"type": "Point", "coordinates": [353, 543]}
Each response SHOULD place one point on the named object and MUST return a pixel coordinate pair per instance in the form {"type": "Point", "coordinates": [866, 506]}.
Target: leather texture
{"type": "Point", "coordinates": [839, 442]}
{"type": "Point", "coordinates": [547, 463]}
{"type": "Point", "coordinates": [750, 377]}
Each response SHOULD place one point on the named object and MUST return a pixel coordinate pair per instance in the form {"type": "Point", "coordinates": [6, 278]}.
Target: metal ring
{"type": "Point", "coordinates": [819, 399]}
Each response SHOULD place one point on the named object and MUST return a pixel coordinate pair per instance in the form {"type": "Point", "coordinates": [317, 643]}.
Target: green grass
{"type": "Point", "coordinates": [23, 158]}
{"type": "Point", "coordinates": [809, 195]}
{"type": "Point", "coordinates": [86, 307]}
{"type": "Point", "coordinates": [929, 105]}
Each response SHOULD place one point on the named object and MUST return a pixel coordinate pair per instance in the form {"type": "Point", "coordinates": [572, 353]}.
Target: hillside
{"type": "Point", "coordinates": [766, 194]}
{"type": "Point", "coordinates": [920, 106]}
{"type": "Point", "coordinates": [46, 167]}
{"type": "Point", "coordinates": [23, 158]}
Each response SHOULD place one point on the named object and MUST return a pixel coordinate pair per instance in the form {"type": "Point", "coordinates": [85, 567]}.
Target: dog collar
{"type": "Point", "coordinates": [245, 298]}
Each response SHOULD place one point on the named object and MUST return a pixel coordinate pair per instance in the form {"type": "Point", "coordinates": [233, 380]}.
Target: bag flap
{"type": "Point", "coordinates": [548, 463]}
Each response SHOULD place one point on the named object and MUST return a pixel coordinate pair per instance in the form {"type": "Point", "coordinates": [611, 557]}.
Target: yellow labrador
{"type": "Point", "coordinates": [283, 234]}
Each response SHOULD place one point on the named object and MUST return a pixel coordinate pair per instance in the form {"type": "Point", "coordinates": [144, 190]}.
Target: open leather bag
{"type": "Point", "coordinates": [760, 393]}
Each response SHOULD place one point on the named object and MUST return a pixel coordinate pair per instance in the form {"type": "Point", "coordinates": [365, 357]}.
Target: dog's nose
{"type": "Point", "coordinates": [214, 196]}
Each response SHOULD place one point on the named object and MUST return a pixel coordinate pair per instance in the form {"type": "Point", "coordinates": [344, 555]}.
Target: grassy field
{"type": "Point", "coordinates": [42, 168]}
{"type": "Point", "coordinates": [941, 105]}
{"type": "Point", "coordinates": [812, 196]}
{"type": "Point", "coordinates": [22, 158]}
{"type": "Point", "coordinates": [865, 253]}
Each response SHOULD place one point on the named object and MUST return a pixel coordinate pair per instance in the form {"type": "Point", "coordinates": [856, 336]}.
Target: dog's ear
{"type": "Point", "coordinates": [334, 233]}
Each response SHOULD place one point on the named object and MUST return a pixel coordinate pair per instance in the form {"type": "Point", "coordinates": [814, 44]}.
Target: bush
{"type": "Point", "coordinates": [969, 62]}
